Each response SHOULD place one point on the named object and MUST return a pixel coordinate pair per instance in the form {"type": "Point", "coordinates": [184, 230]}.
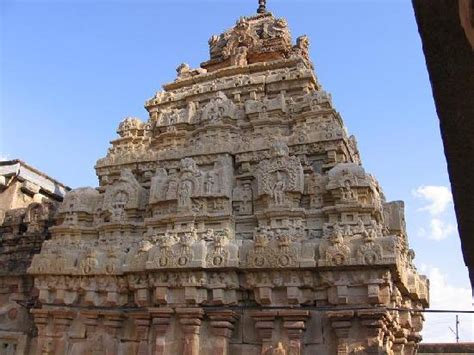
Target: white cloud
{"type": "Point", "coordinates": [421, 232]}
{"type": "Point", "coordinates": [440, 230]}
{"type": "Point", "coordinates": [4, 157]}
{"type": "Point", "coordinates": [443, 295]}
{"type": "Point", "coordinates": [437, 197]}
{"type": "Point", "coordinates": [436, 200]}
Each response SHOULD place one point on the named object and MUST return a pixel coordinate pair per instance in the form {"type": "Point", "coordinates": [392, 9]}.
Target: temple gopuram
{"type": "Point", "coordinates": [237, 219]}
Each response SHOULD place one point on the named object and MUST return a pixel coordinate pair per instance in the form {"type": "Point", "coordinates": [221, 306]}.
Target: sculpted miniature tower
{"type": "Point", "coordinates": [237, 219]}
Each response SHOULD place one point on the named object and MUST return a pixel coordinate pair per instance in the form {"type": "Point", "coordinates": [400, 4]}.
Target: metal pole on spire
{"type": "Point", "coordinates": [262, 8]}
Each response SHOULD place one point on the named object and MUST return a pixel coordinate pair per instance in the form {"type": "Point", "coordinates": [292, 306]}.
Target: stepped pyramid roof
{"type": "Point", "coordinates": [242, 188]}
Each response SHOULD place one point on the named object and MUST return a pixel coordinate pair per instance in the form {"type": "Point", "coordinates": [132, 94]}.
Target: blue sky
{"type": "Point", "coordinates": [71, 70]}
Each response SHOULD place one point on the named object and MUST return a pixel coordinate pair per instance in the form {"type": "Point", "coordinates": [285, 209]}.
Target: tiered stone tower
{"type": "Point", "coordinates": [236, 220]}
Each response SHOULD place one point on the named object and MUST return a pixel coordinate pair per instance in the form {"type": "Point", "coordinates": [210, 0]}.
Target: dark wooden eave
{"type": "Point", "coordinates": [446, 28]}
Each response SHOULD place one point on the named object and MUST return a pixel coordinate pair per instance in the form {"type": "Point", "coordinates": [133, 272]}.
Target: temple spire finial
{"type": "Point", "coordinates": [262, 8]}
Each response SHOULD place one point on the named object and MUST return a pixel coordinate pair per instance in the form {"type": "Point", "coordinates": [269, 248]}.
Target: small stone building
{"type": "Point", "coordinates": [21, 185]}
{"type": "Point", "coordinates": [28, 199]}
{"type": "Point", "coordinates": [237, 219]}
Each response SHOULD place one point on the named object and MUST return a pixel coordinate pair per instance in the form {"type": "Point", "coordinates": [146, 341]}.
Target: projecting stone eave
{"type": "Point", "coordinates": [17, 168]}
{"type": "Point", "coordinates": [166, 96]}
{"type": "Point", "coordinates": [253, 68]}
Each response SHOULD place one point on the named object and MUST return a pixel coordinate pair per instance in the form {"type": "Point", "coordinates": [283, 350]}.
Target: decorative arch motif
{"type": "Point", "coordinates": [126, 193]}
{"type": "Point", "coordinates": [218, 108]}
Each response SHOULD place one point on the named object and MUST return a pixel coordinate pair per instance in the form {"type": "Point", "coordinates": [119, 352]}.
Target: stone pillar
{"type": "Point", "coordinates": [222, 325]}
{"type": "Point", "coordinates": [411, 346]}
{"type": "Point", "coordinates": [264, 324]}
{"type": "Point", "coordinates": [341, 322]}
{"type": "Point", "coordinates": [62, 320]}
{"type": "Point", "coordinates": [142, 323]}
{"type": "Point", "coordinates": [414, 338]}
{"type": "Point", "coordinates": [44, 342]}
{"type": "Point", "coordinates": [294, 322]}
{"type": "Point", "coordinates": [190, 320]}
{"type": "Point", "coordinates": [399, 342]}
{"type": "Point", "coordinates": [113, 321]}
{"type": "Point", "coordinates": [91, 320]}
{"type": "Point", "coordinates": [161, 318]}
{"type": "Point", "coordinates": [374, 321]}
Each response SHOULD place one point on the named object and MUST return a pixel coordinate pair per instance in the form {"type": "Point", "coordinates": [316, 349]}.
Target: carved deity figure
{"type": "Point", "coordinates": [246, 207]}
{"type": "Point", "coordinates": [213, 114]}
{"type": "Point", "coordinates": [263, 114]}
{"type": "Point", "coordinates": [172, 190]}
{"type": "Point", "coordinates": [213, 42]}
{"type": "Point", "coordinates": [347, 193]}
{"type": "Point", "coordinates": [279, 190]}
{"type": "Point", "coordinates": [210, 182]}
{"type": "Point", "coordinates": [90, 263]}
{"type": "Point", "coordinates": [35, 216]}
{"type": "Point", "coordinates": [347, 230]}
{"type": "Point", "coordinates": [184, 193]}
{"type": "Point", "coordinates": [361, 228]}
{"type": "Point", "coordinates": [302, 42]}
{"type": "Point", "coordinates": [337, 235]}
{"type": "Point", "coordinates": [240, 56]}
{"type": "Point", "coordinates": [118, 206]}
{"type": "Point", "coordinates": [47, 348]}
{"type": "Point", "coordinates": [183, 71]}
{"type": "Point", "coordinates": [279, 350]}
{"type": "Point", "coordinates": [314, 105]}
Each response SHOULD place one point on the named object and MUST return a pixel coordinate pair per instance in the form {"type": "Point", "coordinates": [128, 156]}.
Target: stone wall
{"type": "Point", "coordinates": [21, 236]}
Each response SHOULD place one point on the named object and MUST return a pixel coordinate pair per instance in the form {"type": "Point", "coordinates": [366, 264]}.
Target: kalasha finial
{"type": "Point", "coordinates": [262, 8]}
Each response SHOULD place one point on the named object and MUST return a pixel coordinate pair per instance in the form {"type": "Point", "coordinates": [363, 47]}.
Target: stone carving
{"type": "Point", "coordinates": [280, 174]}
{"type": "Point", "coordinates": [130, 127]}
{"type": "Point", "coordinates": [302, 47]}
{"type": "Point", "coordinates": [184, 250]}
{"type": "Point", "coordinates": [37, 215]}
{"type": "Point", "coordinates": [78, 204]}
{"type": "Point", "coordinates": [222, 252]}
{"type": "Point", "coordinates": [218, 109]}
{"type": "Point", "coordinates": [243, 195]}
{"type": "Point", "coordinates": [90, 263]}
{"type": "Point", "coordinates": [273, 249]}
{"type": "Point", "coordinates": [126, 193]}
{"type": "Point", "coordinates": [314, 102]}
{"type": "Point", "coordinates": [337, 253]}
{"type": "Point", "coordinates": [263, 108]}
{"type": "Point", "coordinates": [184, 71]}
{"type": "Point", "coordinates": [165, 255]}
{"type": "Point", "coordinates": [138, 256]}
{"type": "Point", "coordinates": [279, 350]}
{"type": "Point", "coordinates": [189, 183]}
{"type": "Point", "coordinates": [242, 37]}
{"type": "Point", "coordinates": [51, 261]}
{"type": "Point", "coordinates": [185, 253]}
{"type": "Point", "coordinates": [370, 252]}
